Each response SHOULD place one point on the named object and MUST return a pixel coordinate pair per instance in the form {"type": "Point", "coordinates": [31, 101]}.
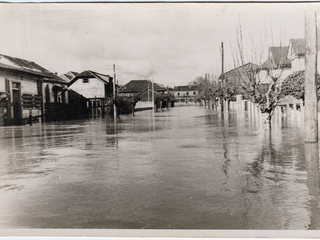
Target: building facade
{"type": "Point", "coordinates": [186, 94]}
{"type": "Point", "coordinates": [97, 88]}
{"type": "Point", "coordinates": [26, 89]}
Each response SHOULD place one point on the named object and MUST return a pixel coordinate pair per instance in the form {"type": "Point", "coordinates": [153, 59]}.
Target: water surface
{"type": "Point", "coordinates": [186, 168]}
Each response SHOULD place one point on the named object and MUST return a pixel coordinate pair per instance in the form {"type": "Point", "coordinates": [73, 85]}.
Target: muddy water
{"type": "Point", "coordinates": [186, 168]}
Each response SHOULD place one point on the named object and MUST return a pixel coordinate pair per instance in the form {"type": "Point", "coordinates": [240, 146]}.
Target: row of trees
{"type": "Point", "coordinates": [246, 82]}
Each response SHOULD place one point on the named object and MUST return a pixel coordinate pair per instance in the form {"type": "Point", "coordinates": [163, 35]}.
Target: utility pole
{"type": "Point", "coordinates": [311, 103]}
{"type": "Point", "coordinates": [152, 94]}
{"type": "Point", "coordinates": [222, 58]}
{"type": "Point", "coordinates": [114, 92]}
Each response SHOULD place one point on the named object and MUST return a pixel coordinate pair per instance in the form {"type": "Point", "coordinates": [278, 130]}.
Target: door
{"type": "Point", "coordinates": [16, 103]}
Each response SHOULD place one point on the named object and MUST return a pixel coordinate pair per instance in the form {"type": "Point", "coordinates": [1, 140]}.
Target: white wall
{"type": "Point", "coordinates": [94, 88]}
{"type": "Point", "coordinates": [298, 64]}
{"type": "Point", "coordinates": [2, 84]}
{"type": "Point", "coordinates": [263, 76]}
{"type": "Point", "coordinates": [29, 87]}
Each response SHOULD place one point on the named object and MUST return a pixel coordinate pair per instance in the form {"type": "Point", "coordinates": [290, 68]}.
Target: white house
{"type": "Point", "coordinates": [92, 85]}
{"type": "Point", "coordinates": [277, 65]}
{"type": "Point", "coordinates": [97, 88]}
{"type": "Point", "coordinates": [296, 54]}
{"type": "Point", "coordinates": [185, 94]}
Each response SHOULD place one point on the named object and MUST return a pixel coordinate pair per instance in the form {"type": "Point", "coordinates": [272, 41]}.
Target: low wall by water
{"type": "Point", "coordinates": [288, 113]}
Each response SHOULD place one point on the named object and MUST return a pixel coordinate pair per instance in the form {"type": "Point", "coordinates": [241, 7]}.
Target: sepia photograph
{"type": "Point", "coordinates": [162, 117]}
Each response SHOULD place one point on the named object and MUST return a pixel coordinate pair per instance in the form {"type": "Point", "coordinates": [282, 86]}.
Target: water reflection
{"type": "Point", "coordinates": [312, 167]}
{"type": "Point", "coordinates": [186, 168]}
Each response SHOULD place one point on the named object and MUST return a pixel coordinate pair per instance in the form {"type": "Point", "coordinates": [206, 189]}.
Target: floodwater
{"type": "Point", "coordinates": [186, 168]}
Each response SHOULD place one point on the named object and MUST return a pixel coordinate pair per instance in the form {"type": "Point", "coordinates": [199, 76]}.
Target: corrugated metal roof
{"type": "Point", "coordinates": [12, 63]}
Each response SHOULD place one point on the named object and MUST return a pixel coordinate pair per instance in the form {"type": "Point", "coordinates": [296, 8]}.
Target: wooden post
{"type": "Point", "coordinates": [30, 116]}
{"type": "Point", "coordinates": [95, 107]}
{"type": "Point", "coordinates": [103, 107]}
{"type": "Point", "coordinates": [42, 101]}
{"type": "Point", "coordinates": [311, 104]}
{"type": "Point", "coordinates": [114, 92]}
{"type": "Point", "coordinates": [9, 115]}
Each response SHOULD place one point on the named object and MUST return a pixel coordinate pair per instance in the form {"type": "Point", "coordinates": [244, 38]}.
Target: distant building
{"type": "Point", "coordinates": [186, 94]}
{"type": "Point", "coordinates": [135, 87]}
{"type": "Point", "coordinates": [143, 90]}
{"type": "Point", "coordinates": [26, 90]}
{"type": "Point", "coordinates": [68, 76]}
{"type": "Point", "coordinates": [241, 76]}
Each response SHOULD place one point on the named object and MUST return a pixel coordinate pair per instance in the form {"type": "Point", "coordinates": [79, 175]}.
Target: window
{"type": "Point", "coordinates": [178, 94]}
{"type": "Point", "coordinates": [187, 93]}
{"type": "Point", "coordinates": [85, 80]}
{"type": "Point", "coordinates": [15, 85]}
{"type": "Point", "coordinates": [194, 93]}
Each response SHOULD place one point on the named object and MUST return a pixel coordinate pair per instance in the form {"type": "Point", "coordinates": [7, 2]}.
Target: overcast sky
{"type": "Point", "coordinates": [170, 42]}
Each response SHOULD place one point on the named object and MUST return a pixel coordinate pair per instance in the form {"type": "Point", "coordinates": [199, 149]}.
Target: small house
{"type": "Point", "coordinates": [276, 66]}
{"type": "Point", "coordinates": [135, 87]}
{"type": "Point", "coordinates": [186, 94]}
{"type": "Point", "coordinates": [143, 90]}
{"type": "Point", "coordinates": [97, 88]}
{"type": "Point", "coordinates": [240, 79]}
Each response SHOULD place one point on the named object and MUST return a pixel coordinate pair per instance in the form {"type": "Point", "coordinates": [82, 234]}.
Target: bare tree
{"type": "Point", "coordinates": [261, 84]}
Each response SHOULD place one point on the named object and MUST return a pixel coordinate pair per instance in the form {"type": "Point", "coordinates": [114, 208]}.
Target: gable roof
{"type": "Point", "coordinates": [277, 58]}
{"type": "Point", "coordinates": [91, 74]}
{"type": "Point", "coordinates": [21, 65]}
{"type": "Point", "coordinates": [140, 85]}
{"type": "Point", "coordinates": [298, 45]}
{"type": "Point", "coordinates": [186, 88]}
{"type": "Point", "coordinates": [243, 72]}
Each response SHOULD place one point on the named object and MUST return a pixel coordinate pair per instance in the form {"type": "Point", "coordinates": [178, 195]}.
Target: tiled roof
{"type": "Point", "coordinates": [243, 72]}
{"type": "Point", "coordinates": [186, 88]}
{"type": "Point", "coordinates": [12, 63]}
{"type": "Point", "coordinates": [139, 85]}
{"type": "Point", "coordinates": [277, 58]}
{"type": "Point", "coordinates": [298, 45]}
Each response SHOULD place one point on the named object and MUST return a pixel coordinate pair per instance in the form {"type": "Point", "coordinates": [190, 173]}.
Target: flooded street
{"type": "Point", "coordinates": [186, 168]}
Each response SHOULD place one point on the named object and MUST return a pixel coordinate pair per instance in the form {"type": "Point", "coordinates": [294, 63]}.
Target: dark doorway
{"type": "Point", "coordinates": [16, 102]}
{"type": "Point", "coordinates": [47, 94]}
